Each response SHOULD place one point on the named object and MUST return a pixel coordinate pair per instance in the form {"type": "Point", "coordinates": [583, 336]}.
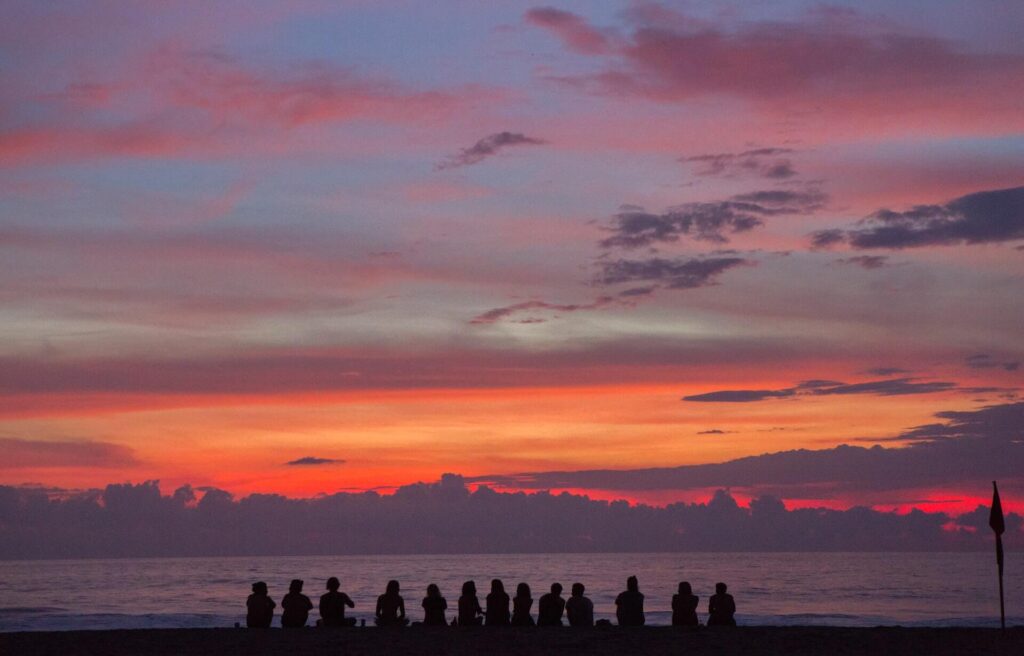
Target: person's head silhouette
{"type": "Point", "coordinates": [295, 586]}
{"type": "Point", "coordinates": [523, 590]}
{"type": "Point", "coordinates": [469, 588]}
{"type": "Point", "coordinates": [433, 590]}
{"type": "Point", "coordinates": [632, 584]}
{"type": "Point", "coordinates": [720, 588]}
{"type": "Point", "coordinates": [685, 589]}
{"type": "Point", "coordinates": [392, 588]}
{"type": "Point", "coordinates": [497, 586]}
{"type": "Point", "coordinates": [556, 589]}
{"type": "Point", "coordinates": [577, 589]}
{"type": "Point", "coordinates": [259, 587]}
{"type": "Point", "coordinates": [333, 584]}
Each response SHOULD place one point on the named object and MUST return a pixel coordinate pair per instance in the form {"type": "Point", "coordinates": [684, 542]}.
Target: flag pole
{"type": "Point", "coordinates": [999, 557]}
{"type": "Point", "coordinates": [995, 520]}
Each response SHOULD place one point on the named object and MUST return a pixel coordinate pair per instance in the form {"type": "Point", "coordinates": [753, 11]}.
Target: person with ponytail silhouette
{"type": "Point", "coordinates": [684, 606]}
{"type": "Point", "coordinates": [629, 605]}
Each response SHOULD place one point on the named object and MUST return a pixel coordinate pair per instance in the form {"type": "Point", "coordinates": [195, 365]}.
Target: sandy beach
{"type": "Point", "coordinates": [749, 641]}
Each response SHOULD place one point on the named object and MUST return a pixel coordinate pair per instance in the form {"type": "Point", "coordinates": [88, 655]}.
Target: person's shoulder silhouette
{"type": "Point", "coordinates": [296, 606]}
{"type": "Point", "coordinates": [333, 604]}
{"type": "Point", "coordinates": [684, 606]}
{"type": "Point", "coordinates": [434, 606]}
{"type": "Point", "coordinates": [259, 607]}
{"type": "Point", "coordinates": [521, 605]}
{"type": "Point", "coordinates": [629, 605]}
{"type": "Point", "coordinates": [550, 607]}
{"type": "Point", "coordinates": [579, 610]}
{"type": "Point", "coordinates": [721, 607]}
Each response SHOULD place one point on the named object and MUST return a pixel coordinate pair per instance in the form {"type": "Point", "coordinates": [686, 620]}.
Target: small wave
{"type": "Point", "coordinates": [29, 610]}
{"type": "Point", "coordinates": [822, 616]}
{"type": "Point", "coordinates": [103, 621]}
{"type": "Point", "coordinates": [848, 620]}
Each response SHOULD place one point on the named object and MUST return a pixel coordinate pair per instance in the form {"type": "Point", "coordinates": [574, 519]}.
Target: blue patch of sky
{"type": "Point", "coordinates": [425, 45]}
{"type": "Point", "coordinates": [937, 148]}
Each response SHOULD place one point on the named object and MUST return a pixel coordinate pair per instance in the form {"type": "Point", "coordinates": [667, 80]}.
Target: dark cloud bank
{"type": "Point", "coordinates": [986, 217]}
{"type": "Point", "coordinates": [445, 517]}
{"type": "Point", "coordinates": [962, 449]}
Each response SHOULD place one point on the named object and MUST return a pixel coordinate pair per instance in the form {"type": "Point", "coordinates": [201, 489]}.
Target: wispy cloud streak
{"type": "Point", "coordinates": [488, 147]}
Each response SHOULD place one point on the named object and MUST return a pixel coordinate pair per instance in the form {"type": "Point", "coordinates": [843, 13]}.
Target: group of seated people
{"type": "Point", "coordinates": [578, 609]}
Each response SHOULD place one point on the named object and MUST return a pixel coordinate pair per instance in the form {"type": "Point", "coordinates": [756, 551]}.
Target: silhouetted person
{"type": "Point", "coordinates": [434, 606]}
{"type": "Point", "coordinates": [550, 607]}
{"type": "Point", "coordinates": [579, 610]}
{"type": "Point", "coordinates": [521, 605]}
{"type": "Point", "coordinates": [629, 605]}
{"type": "Point", "coordinates": [497, 605]}
{"type": "Point", "coordinates": [721, 607]}
{"type": "Point", "coordinates": [470, 613]}
{"type": "Point", "coordinates": [390, 607]}
{"type": "Point", "coordinates": [259, 608]}
{"type": "Point", "coordinates": [684, 606]}
{"type": "Point", "coordinates": [333, 603]}
{"type": "Point", "coordinates": [296, 607]}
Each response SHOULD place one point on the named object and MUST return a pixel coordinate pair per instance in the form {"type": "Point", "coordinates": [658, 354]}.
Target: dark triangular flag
{"type": "Point", "coordinates": [995, 517]}
{"type": "Point", "coordinates": [995, 520]}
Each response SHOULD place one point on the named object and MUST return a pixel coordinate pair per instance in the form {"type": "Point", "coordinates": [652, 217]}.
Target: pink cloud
{"type": "Point", "coordinates": [179, 102]}
{"type": "Point", "coordinates": [572, 29]}
{"type": "Point", "coordinates": [70, 142]}
{"type": "Point", "coordinates": [276, 371]}
{"type": "Point", "coordinates": [301, 95]}
{"type": "Point", "coordinates": [821, 66]}
{"type": "Point", "coordinates": [26, 453]}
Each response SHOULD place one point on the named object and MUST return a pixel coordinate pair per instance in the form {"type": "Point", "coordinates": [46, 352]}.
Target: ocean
{"type": "Point", "coordinates": [848, 589]}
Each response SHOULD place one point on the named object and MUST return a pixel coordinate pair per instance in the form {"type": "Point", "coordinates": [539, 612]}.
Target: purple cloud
{"type": "Point", "coordinates": [669, 273]}
{"type": "Point", "coordinates": [762, 162]}
{"type": "Point", "coordinates": [866, 261]}
{"type": "Point", "coordinates": [980, 218]}
{"type": "Point", "coordinates": [713, 222]}
{"type": "Point", "coordinates": [966, 447]}
{"type": "Point", "coordinates": [892, 387]}
{"type": "Point", "coordinates": [314, 461]}
{"type": "Point", "coordinates": [487, 147]}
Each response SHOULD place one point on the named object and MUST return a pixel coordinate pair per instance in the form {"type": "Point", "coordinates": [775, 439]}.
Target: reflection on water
{"type": "Point", "coordinates": [796, 588]}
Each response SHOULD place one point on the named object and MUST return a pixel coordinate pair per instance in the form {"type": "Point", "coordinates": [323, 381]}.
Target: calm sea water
{"type": "Point", "coordinates": [851, 589]}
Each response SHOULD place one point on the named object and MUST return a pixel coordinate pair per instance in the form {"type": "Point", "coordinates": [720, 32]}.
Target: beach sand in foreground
{"type": "Point", "coordinates": [750, 641]}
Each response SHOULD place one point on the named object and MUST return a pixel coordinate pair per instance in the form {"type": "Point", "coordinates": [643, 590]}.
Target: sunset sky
{"type": "Point", "coordinates": [313, 247]}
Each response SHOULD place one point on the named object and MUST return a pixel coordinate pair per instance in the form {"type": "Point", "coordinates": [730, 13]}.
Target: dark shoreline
{"type": "Point", "coordinates": [751, 640]}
